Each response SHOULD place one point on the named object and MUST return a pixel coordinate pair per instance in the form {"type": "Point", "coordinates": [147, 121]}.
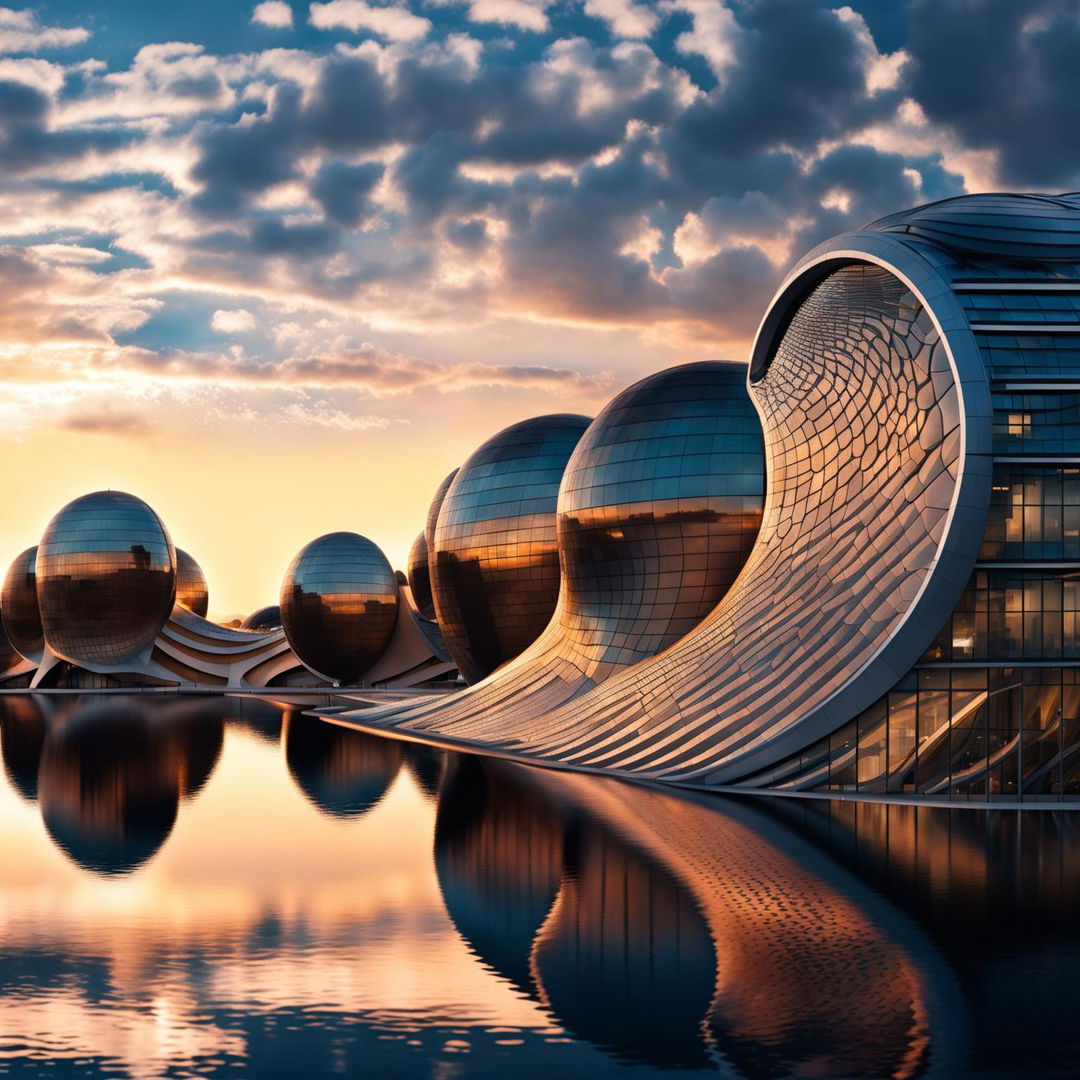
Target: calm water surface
{"type": "Point", "coordinates": [201, 887]}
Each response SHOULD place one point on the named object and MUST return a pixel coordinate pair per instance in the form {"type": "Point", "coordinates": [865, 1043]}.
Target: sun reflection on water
{"type": "Point", "coordinates": [204, 886]}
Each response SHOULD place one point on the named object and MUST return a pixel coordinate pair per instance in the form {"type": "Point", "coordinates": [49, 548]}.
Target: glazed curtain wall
{"type": "Point", "coordinates": [963, 734]}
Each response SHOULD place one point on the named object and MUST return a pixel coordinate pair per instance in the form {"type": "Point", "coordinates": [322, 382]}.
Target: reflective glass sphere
{"type": "Point", "coordinates": [9, 656]}
{"type": "Point", "coordinates": [433, 511]}
{"type": "Point", "coordinates": [19, 606]}
{"type": "Point", "coordinates": [659, 509]}
{"type": "Point", "coordinates": [495, 561]}
{"type": "Point", "coordinates": [266, 618]}
{"type": "Point", "coordinates": [191, 590]}
{"type": "Point", "coordinates": [339, 605]}
{"type": "Point", "coordinates": [420, 577]}
{"type": "Point", "coordinates": [106, 578]}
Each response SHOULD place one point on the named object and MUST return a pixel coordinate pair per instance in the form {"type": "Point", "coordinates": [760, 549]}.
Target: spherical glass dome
{"type": "Point", "coordinates": [339, 605]}
{"type": "Point", "coordinates": [495, 563]}
{"type": "Point", "coordinates": [420, 577]}
{"type": "Point", "coordinates": [9, 655]}
{"type": "Point", "coordinates": [19, 606]}
{"type": "Point", "coordinates": [106, 579]}
{"type": "Point", "coordinates": [266, 618]}
{"type": "Point", "coordinates": [659, 509]}
{"type": "Point", "coordinates": [191, 590]}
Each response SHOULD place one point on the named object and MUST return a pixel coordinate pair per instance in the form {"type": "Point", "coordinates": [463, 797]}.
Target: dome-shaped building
{"type": "Point", "coordinates": [106, 579]}
{"type": "Point", "coordinates": [339, 605]}
{"type": "Point", "coordinates": [658, 511]}
{"type": "Point", "coordinates": [191, 589]}
{"type": "Point", "coordinates": [264, 620]}
{"type": "Point", "coordinates": [419, 577]}
{"type": "Point", "coordinates": [9, 655]}
{"type": "Point", "coordinates": [495, 562]}
{"type": "Point", "coordinates": [420, 552]}
{"type": "Point", "coordinates": [19, 605]}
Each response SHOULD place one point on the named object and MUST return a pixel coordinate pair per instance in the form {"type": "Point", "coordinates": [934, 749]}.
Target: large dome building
{"type": "Point", "coordinates": [106, 578]}
{"type": "Point", "coordinates": [19, 607]}
{"type": "Point", "coordinates": [339, 605]}
{"type": "Point", "coordinates": [495, 559]}
{"type": "Point", "coordinates": [191, 590]}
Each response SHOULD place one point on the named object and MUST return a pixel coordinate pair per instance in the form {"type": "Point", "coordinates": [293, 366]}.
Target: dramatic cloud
{"type": "Point", "coordinates": [1003, 77]}
{"type": "Point", "coordinates": [396, 23]}
{"type": "Point", "coordinates": [625, 17]}
{"type": "Point", "coordinates": [409, 175]}
{"type": "Point", "coordinates": [273, 13]}
{"type": "Point", "coordinates": [105, 420]}
{"type": "Point", "coordinates": [232, 322]}
{"type": "Point", "coordinates": [20, 32]}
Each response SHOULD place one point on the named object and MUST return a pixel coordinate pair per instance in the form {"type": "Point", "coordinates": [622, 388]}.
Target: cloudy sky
{"type": "Point", "coordinates": [277, 268]}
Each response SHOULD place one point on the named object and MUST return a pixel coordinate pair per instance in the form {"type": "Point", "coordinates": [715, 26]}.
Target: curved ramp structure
{"type": "Point", "coordinates": [658, 509]}
{"type": "Point", "coordinates": [871, 377]}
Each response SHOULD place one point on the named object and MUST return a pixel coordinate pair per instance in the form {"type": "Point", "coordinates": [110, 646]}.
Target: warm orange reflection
{"type": "Point", "coordinates": [675, 933]}
{"type": "Point", "coordinates": [554, 923]}
{"type": "Point", "coordinates": [341, 775]}
{"type": "Point", "coordinates": [111, 777]}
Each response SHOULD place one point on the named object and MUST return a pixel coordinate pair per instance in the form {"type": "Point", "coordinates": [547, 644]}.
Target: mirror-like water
{"type": "Point", "coordinates": [208, 887]}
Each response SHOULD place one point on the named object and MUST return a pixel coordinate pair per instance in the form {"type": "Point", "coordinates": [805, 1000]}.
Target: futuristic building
{"type": "Point", "coordinates": [906, 621]}
{"type": "Point", "coordinates": [265, 618]}
{"type": "Point", "coordinates": [494, 562]}
{"type": "Point", "coordinates": [339, 605]}
{"type": "Point", "coordinates": [19, 607]}
{"type": "Point", "coordinates": [106, 602]}
{"type": "Point", "coordinates": [106, 578]}
{"type": "Point", "coordinates": [872, 587]}
{"type": "Point", "coordinates": [191, 590]}
{"type": "Point", "coordinates": [658, 509]}
{"type": "Point", "coordinates": [419, 577]}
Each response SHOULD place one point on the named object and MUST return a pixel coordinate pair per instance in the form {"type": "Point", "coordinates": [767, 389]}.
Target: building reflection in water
{"type": "Point", "coordinates": [109, 776]}
{"type": "Point", "coordinates": [677, 935]}
{"type": "Point", "coordinates": [498, 854]}
{"type": "Point", "coordinates": [427, 765]}
{"type": "Point", "coordinates": [645, 930]}
{"type": "Point", "coordinates": [340, 775]}
{"type": "Point", "coordinates": [22, 736]}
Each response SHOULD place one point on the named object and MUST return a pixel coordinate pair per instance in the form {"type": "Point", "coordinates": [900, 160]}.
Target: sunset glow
{"type": "Point", "coordinates": [278, 269]}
